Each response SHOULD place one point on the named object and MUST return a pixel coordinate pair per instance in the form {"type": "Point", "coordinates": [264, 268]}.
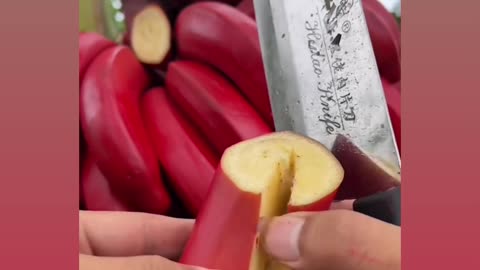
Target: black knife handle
{"type": "Point", "coordinates": [384, 206]}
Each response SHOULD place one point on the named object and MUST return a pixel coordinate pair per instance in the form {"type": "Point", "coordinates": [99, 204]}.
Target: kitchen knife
{"type": "Point", "coordinates": [324, 83]}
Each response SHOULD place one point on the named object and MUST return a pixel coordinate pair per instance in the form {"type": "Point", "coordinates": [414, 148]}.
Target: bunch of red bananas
{"type": "Point", "coordinates": [158, 111]}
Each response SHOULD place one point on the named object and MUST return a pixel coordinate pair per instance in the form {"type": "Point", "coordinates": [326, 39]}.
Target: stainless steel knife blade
{"type": "Point", "coordinates": [322, 75]}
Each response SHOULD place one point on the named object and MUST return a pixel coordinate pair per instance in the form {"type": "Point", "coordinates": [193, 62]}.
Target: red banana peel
{"type": "Point", "coordinates": [185, 157]}
{"type": "Point", "coordinates": [90, 45]}
{"type": "Point", "coordinates": [398, 85]}
{"type": "Point", "coordinates": [96, 190]}
{"type": "Point", "coordinates": [113, 128]}
{"type": "Point", "coordinates": [385, 36]}
{"type": "Point", "coordinates": [81, 201]}
{"type": "Point", "coordinates": [222, 36]}
{"type": "Point", "coordinates": [213, 104]}
{"type": "Point", "coordinates": [393, 97]}
{"type": "Point", "coordinates": [246, 6]}
{"type": "Point", "coordinates": [366, 174]}
{"type": "Point", "coordinates": [259, 178]}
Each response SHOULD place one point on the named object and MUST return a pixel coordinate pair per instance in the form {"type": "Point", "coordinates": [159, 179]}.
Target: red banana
{"type": "Point", "coordinates": [150, 35]}
{"type": "Point", "coordinates": [246, 6]}
{"type": "Point", "coordinates": [81, 203]}
{"type": "Point", "coordinates": [398, 85]}
{"type": "Point", "coordinates": [222, 36]}
{"type": "Point", "coordinates": [90, 45]}
{"type": "Point", "coordinates": [96, 190]}
{"type": "Point", "coordinates": [365, 174]}
{"type": "Point", "coordinates": [385, 36]}
{"type": "Point", "coordinates": [214, 104]}
{"type": "Point", "coordinates": [393, 97]}
{"type": "Point", "coordinates": [259, 178]}
{"type": "Point", "coordinates": [185, 157]}
{"type": "Point", "coordinates": [113, 128]}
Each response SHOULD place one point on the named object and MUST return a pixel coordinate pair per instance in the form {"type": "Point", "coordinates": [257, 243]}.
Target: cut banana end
{"type": "Point", "coordinates": [288, 171]}
{"type": "Point", "coordinates": [295, 169]}
{"type": "Point", "coordinates": [151, 35]}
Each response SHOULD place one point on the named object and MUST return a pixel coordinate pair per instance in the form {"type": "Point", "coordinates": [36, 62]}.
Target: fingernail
{"type": "Point", "coordinates": [346, 204]}
{"type": "Point", "coordinates": [262, 223]}
{"type": "Point", "coordinates": [282, 236]}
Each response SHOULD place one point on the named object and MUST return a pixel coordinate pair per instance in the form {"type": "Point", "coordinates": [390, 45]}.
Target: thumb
{"type": "Point", "coordinates": [88, 262]}
{"type": "Point", "coordinates": [335, 239]}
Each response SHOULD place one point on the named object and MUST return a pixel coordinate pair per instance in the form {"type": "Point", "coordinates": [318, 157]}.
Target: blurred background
{"type": "Point", "coordinates": [102, 16]}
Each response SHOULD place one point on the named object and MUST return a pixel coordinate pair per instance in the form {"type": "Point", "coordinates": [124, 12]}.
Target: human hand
{"type": "Point", "coordinates": [339, 239]}
{"type": "Point", "coordinates": [131, 241]}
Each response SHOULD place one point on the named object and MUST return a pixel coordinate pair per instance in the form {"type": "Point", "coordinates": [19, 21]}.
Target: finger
{"type": "Point", "coordinates": [88, 262]}
{"type": "Point", "coordinates": [336, 239]}
{"type": "Point", "coordinates": [131, 234]}
{"type": "Point", "coordinates": [345, 205]}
